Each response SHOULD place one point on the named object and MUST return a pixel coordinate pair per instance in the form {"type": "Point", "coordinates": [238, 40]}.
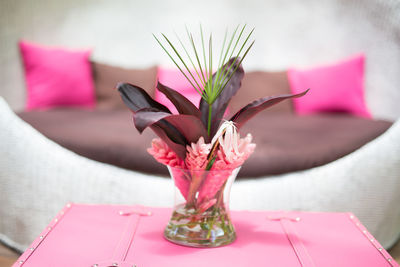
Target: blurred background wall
{"type": "Point", "coordinates": [297, 33]}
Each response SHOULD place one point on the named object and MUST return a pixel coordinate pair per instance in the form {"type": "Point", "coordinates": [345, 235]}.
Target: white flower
{"type": "Point", "coordinates": [228, 138]}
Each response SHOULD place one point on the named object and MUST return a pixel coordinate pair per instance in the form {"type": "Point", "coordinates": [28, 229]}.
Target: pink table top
{"type": "Point", "coordinates": [86, 235]}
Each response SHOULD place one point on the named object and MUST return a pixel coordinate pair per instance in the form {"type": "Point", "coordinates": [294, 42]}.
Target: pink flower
{"type": "Point", "coordinates": [196, 156]}
{"type": "Point", "coordinates": [227, 136]}
{"type": "Point", "coordinates": [233, 152]}
{"type": "Point", "coordinates": [212, 184]}
{"type": "Point", "coordinates": [181, 181]}
{"type": "Point", "coordinates": [163, 154]}
{"type": "Point", "coordinates": [230, 158]}
{"type": "Point", "coordinates": [207, 204]}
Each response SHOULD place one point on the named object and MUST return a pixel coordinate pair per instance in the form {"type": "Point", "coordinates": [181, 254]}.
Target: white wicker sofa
{"type": "Point", "coordinates": [38, 177]}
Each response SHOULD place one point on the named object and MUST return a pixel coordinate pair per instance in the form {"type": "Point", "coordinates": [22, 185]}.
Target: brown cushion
{"type": "Point", "coordinates": [285, 142]}
{"type": "Point", "coordinates": [259, 84]}
{"type": "Point", "coordinates": [106, 78]}
{"type": "Point", "coordinates": [105, 136]}
{"type": "Point", "coordinates": [288, 143]}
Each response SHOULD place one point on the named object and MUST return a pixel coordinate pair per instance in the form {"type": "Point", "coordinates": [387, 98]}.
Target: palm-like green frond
{"type": "Point", "coordinates": [200, 76]}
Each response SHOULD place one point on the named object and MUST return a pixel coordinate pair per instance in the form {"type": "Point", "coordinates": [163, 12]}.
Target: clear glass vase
{"type": "Point", "coordinates": [200, 216]}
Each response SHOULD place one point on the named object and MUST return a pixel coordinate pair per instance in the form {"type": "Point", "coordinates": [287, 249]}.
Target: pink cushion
{"type": "Point", "coordinates": [57, 77]}
{"type": "Point", "coordinates": [336, 87]}
{"type": "Point", "coordinates": [174, 79]}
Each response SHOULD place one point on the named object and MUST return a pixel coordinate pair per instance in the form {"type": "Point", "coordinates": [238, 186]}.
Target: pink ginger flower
{"type": "Point", "coordinates": [231, 159]}
{"type": "Point", "coordinates": [196, 162]}
{"type": "Point", "coordinates": [207, 204]}
{"type": "Point", "coordinates": [196, 156]}
{"type": "Point", "coordinates": [212, 184]}
{"type": "Point", "coordinates": [233, 150]}
{"type": "Point", "coordinates": [233, 153]}
{"type": "Point", "coordinates": [181, 181]}
{"type": "Point", "coordinates": [163, 154]}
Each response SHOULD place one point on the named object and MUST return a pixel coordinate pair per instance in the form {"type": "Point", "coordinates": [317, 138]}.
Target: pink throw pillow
{"type": "Point", "coordinates": [174, 79]}
{"type": "Point", "coordinates": [336, 87]}
{"type": "Point", "coordinates": [56, 77]}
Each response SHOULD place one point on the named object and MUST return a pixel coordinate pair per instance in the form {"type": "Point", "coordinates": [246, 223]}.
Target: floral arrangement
{"type": "Point", "coordinates": [197, 143]}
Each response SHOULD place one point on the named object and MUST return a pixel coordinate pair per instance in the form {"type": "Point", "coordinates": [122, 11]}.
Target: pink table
{"type": "Point", "coordinates": [104, 235]}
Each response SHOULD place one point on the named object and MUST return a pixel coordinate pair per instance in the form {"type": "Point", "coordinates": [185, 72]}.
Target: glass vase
{"type": "Point", "coordinates": [200, 216]}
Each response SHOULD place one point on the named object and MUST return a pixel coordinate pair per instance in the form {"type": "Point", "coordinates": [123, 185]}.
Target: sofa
{"type": "Point", "coordinates": [38, 177]}
{"type": "Point", "coordinates": [43, 167]}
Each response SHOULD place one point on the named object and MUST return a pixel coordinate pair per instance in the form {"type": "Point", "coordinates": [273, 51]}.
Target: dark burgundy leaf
{"type": "Point", "coordinates": [179, 149]}
{"type": "Point", "coordinates": [250, 110]}
{"type": "Point", "coordinates": [172, 133]}
{"type": "Point", "coordinates": [148, 116]}
{"type": "Point", "coordinates": [182, 104]}
{"type": "Point", "coordinates": [189, 126]}
{"type": "Point", "coordinates": [137, 98]}
{"type": "Point", "coordinates": [220, 105]}
{"type": "Point", "coordinates": [171, 136]}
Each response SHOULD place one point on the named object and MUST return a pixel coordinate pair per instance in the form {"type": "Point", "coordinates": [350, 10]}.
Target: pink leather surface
{"type": "Point", "coordinates": [84, 235]}
{"type": "Point", "coordinates": [337, 87]}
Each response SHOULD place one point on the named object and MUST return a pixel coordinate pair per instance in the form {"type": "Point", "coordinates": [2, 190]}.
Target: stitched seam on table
{"type": "Point", "coordinates": [302, 244]}
{"type": "Point", "coordinates": [291, 243]}
{"type": "Point", "coordinates": [54, 222]}
{"type": "Point", "coordinates": [383, 252]}
{"type": "Point", "coordinates": [132, 237]}
{"type": "Point", "coordinates": [117, 255]}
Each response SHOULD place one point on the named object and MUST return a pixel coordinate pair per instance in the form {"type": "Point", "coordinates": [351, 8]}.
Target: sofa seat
{"type": "Point", "coordinates": [285, 142]}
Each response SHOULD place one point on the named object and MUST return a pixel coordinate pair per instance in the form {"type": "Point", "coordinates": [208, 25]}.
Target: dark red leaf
{"type": "Point", "coordinates": [145, 117]}
{"type": "Point", "coordinates": [137, 98]}
{"type": "Point", "coordinates": [179, 149]}
{"type": "Point", "coordinates": [172, 133]}
{"type": "Point", "coordinates": [182, 104]}
{"type": "Point", "coordinates": [189, 126]}
{"type": "Point", "coordinates": [250, 110]}
{"type": "Point", "coordinates": [220, 105]}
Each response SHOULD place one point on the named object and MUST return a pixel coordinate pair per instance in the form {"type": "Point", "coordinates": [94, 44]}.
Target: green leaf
{"type": "Point", "coordinates": [221, 103]}
{"type": "Point", "coordinates": [210, 86]}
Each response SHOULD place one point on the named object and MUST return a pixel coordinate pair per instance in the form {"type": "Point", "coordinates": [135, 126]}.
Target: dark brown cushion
{"type": "Point", "coordinates": [106, 136]}
{"type": "Point", "coordinates": [288, 143]}
{"type": "Point", "coordinates": [259, 84]}
{"type": "Point", "coordinates": [285, 142]}
{"type": "Point", "coordinates": [106, 78]}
